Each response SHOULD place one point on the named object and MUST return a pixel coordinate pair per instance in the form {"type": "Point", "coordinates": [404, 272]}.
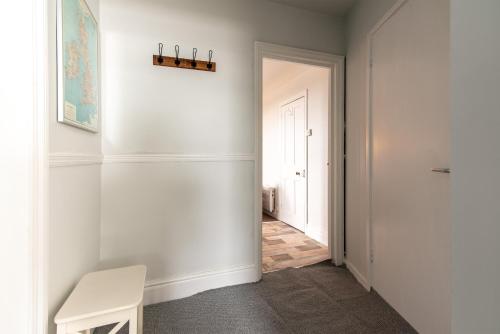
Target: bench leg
{"type": "Point", "coordinates": [140, 315]}
{"type": "Point", "coordinates": [133, 322]}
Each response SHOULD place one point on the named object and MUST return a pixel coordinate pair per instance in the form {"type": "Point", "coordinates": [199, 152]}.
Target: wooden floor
{"type": "Point", "coordinates": [286, 247]}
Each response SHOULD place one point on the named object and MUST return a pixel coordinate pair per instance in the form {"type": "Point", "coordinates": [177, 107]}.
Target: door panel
{"type": "Point", "coordinates": [293, 188]}
{"type": "Point", "coordinates": [410, 136]}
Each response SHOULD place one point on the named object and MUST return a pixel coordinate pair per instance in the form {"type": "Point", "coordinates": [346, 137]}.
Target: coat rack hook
{"type": "Point", "coordinates": [210, 56]}
{"type": "Point", "coordinates": [160, 51]}
{"type": "Point", "coordinates": [177, 61]}
{"type": "Point", "coordinates": [193, 62]}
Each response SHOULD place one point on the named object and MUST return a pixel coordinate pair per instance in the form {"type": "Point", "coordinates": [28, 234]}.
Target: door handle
{"type": "Point", "coordinates": [441, 170]}
{"type": "Point", "coordinates": [301, 173]}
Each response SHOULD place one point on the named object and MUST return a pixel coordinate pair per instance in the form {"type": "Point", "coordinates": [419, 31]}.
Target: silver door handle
{"type": "Point", "coordinates": [441, 170]}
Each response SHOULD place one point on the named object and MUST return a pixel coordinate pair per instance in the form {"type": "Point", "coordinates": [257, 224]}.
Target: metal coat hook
{"type": "Point", "coordinates": [160, 51]}
{"type": "Point", "coordinates": [193, 62]}
{"type": "Point", "coordinates": [210, 55]}
{"type": "Point", "coordinates": [177, 61]}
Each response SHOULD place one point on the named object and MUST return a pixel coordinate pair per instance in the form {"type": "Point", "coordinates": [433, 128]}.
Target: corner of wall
{"type": "Point", "coordinates": [74, 192]}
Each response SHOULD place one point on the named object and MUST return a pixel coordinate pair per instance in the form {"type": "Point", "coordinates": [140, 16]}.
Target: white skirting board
{"type": "Point", "coordinates": [359, 277]}
{"type": "Point", "coordinates": [161, 291]}
{"type": "Point", "coordinates": [271, 214]}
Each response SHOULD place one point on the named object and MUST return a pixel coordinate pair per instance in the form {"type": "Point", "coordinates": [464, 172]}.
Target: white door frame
{"type": "Point", "coordinates": [335, 138]}
{"type": "Point", "coordinates": [24, 148]}
{"type": "Point", "coordinates": [369, 138]}
{"type": "Point", "coordinates": [40, 166]}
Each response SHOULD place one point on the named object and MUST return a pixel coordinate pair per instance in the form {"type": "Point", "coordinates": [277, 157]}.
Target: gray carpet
{"type": "Point", "coordinates": [315, 299]}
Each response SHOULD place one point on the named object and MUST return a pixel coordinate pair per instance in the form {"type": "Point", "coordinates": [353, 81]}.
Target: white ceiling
{"type": "Point", "coordinates": [332, 7]}
{"type": "Point", "coordinates": [278, 71]}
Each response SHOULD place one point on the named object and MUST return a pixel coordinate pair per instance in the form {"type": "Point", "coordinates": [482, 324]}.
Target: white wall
{"type": "Point", "coordinates": [475, 166]}
{"type": "Point", "coordinates": [74, 201]}
{"type": "Point", "coordinates": [360, 21]}
{"type": "Point", "coordinates": [176, 212]}
{"type": "Point", "coordinates": [276, 92]}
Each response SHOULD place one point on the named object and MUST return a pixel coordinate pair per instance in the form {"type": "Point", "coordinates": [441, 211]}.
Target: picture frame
{"type": "Point", "coordinates": [78, 66]}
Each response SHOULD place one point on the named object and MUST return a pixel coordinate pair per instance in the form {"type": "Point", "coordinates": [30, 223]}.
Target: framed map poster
{"type": "Point", "coordinates": [77, 65]}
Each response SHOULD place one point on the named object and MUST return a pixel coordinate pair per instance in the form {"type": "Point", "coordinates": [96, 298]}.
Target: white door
{"type": "Point", "coordinates": [293, 198]}
{"type": "Point", "coordinates": [410, 136]}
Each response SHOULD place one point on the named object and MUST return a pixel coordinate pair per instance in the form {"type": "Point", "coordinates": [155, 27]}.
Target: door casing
{"type": "Point", "coordinates": [369, 140]}
{"type": "Point", "coordinates": [336, 64]}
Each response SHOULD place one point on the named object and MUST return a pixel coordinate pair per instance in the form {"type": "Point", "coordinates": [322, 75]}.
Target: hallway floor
{"type": "Point", "coordinates": [316, 299]}
{"type": "Point", "coordinates": [286, 247]}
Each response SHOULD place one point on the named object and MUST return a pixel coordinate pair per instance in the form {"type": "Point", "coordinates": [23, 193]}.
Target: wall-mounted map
{"type": "Point", "coordinates": [78, 65]}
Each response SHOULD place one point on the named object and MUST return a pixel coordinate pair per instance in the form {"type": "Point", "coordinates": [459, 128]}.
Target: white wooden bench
{"type": "Point", "coordinates": [103, 298]}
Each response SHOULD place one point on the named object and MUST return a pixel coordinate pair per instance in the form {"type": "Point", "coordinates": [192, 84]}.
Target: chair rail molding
{"type": "Point", "coordinates": [165, 157]}
{"type": "Point", "coordinates": [74, 159]}
{"type": "Point", "coordinates": [82, 159]}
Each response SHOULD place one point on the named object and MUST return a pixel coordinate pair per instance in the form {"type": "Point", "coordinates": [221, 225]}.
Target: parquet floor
{"type": "Point", "coordinates": [286, 247]}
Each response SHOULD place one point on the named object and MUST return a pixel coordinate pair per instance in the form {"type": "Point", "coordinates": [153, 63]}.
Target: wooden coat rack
{"type": "Point", "coordinates": [190, 64]}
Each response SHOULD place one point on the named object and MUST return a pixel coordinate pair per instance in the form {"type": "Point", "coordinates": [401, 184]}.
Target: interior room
{"type": "Point", "coordinates": [296, 99]}
{"type": "Point", "coordinates": [235, 166]}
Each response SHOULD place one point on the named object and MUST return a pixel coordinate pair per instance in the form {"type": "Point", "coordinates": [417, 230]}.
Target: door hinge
{"type": "Point", "coordinates": [372, 256]}
{"type": "Point", "coordinates": [309, 133]}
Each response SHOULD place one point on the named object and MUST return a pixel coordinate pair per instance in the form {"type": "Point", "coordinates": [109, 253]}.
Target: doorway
{"type": "Point", "coordinates": [299, 174]}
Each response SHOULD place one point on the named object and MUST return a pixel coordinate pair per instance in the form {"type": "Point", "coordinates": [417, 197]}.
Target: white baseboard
{"type": "Point", "coordinates": [161, 291]}
{"type": "Point", "coordinates": [270, 214]}
{"type": "Point", "coordinates": [319, 236]}
{"type": "Point", "coordinates": [359, 277]}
